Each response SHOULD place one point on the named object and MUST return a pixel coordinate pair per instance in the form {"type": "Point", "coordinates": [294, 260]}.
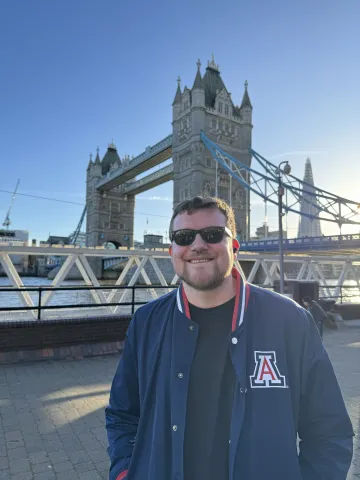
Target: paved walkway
{"type": "Point", "coordinates": [52, 413]}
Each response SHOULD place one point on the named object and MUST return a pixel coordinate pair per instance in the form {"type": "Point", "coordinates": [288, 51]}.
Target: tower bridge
{"type": "Point", "coordinates": [206, 108]}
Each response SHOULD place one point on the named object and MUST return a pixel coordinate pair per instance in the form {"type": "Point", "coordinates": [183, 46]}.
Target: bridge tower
{"type": "Point", "coordinates": [110, 215]}
{"type": "Point", "coordinates": [208, 107]}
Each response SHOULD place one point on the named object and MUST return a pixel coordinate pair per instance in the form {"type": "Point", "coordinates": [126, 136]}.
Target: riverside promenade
{"type": "Point", "coordinates": [52, 412]}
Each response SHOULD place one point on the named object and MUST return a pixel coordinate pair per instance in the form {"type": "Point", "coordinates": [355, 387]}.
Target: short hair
{"type": "Point", "coordinates": [199, 203]}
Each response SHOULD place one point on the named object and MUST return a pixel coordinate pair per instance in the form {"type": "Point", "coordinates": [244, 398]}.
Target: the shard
{"type": "Point", "coordinates": [309, 227]}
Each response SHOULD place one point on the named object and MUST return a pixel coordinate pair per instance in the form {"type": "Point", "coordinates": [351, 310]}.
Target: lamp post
{"type": "Point", "coordinates": [287, 170]}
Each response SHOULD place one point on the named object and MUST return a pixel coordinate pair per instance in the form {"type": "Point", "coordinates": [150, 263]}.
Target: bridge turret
{"type": "Point", "coordinates": [198, 103]}
{"type": "Point", "coordinates": [198, 90]}
{"type": "Point", "coordinates": [91, 163]}
{"type": "Point", "coordinates": [96, 169]}
{"type": "Point", "coordinates": [177, 101]}
{"type": "Point", "coordinates": [246, 107]}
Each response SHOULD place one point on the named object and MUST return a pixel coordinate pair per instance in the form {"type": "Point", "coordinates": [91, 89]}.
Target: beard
{"type": "Point", "coordinates": [209, 282]}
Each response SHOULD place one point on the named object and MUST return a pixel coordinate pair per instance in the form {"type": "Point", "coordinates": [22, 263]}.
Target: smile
{"type": "Point", "coordinates": [203, 260]}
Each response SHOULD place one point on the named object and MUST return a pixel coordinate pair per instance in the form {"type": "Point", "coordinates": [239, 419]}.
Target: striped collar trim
{"type": "Point", "coordinates": [241, 299]}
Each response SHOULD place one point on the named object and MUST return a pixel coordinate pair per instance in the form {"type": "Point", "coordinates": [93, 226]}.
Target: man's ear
{"type": "Point", "coordinates": [236, 245]}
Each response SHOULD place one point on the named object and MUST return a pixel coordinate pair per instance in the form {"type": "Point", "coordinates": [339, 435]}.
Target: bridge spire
{"type": "Point", "coordinates": [198, 82]}
{"type": "Point", "coordinates": [90, 162]}
{"type": "Point", "coordinates": [246, 99]}
{"type": "Point", "coordinates": [177, 98]}
{"type": "Point", "coordinates": [97, 158]}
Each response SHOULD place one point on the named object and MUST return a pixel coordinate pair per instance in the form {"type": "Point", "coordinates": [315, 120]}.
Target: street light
{"type": "Point", "coordinates": [286, 170]}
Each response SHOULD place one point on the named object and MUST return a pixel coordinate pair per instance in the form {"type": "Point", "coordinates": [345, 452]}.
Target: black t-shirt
{"type": "Point", "coordinates": [210, 396]}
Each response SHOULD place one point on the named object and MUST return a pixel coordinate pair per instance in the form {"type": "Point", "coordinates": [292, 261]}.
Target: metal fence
{"type": "Point", "coordinates": [38, 297]}
{"type": "Point", "coordinates": [70, 298]}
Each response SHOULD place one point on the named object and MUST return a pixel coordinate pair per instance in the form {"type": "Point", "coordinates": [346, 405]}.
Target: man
{"type": "Point", "coordinates": [316, 312]}
{"type": "Point", "coordinates": [218, 377]}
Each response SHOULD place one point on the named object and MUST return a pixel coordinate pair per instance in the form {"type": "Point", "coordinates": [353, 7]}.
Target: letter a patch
{"type": "Point", "coordinates": [266, 373]}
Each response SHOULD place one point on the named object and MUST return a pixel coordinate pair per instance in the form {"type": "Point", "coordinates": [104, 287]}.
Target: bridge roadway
{"type": "Point", "coordinates": [331, 245]}
{"type": "Point", "coordinates": [52, 412]}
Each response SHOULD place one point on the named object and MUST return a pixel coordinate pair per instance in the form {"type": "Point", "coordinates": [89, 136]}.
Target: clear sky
{"type": "Point", "coordinates": [77, 74]}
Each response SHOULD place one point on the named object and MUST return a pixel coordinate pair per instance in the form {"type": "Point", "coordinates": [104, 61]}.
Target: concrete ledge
{"type": "Point", "coordinates": [58, 335]}
{"type": "Point", "coordinates": [61, 353]}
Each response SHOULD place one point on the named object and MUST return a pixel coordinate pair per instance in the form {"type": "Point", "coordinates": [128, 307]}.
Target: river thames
{"type": "Point", "coordinates": [75, 297]}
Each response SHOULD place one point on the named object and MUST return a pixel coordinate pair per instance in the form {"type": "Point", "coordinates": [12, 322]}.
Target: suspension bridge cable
{"type": "Point", "coordinates": [44, 198]}
{"type": "Point", "coordinates": [74, 203]}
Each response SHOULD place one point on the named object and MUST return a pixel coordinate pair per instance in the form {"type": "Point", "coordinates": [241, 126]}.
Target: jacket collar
{"type": "Point", "coordinates": [241, 299]}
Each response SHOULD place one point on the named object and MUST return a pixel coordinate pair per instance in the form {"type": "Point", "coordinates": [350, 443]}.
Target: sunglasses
{"type": "Point", "coordinates": [186, 236]}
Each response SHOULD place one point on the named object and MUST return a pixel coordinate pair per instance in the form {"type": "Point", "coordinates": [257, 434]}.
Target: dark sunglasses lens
{"type": "Point", "coordinates": [184, 237]}
{"type": "Point", "coordinates": [212, 235]}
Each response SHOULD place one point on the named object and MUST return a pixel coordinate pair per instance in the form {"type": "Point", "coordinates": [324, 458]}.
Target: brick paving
{"type": "Point", "coordinates": [52, 413]}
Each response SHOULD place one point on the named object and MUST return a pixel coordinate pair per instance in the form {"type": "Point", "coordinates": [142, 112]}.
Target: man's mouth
{"type": "Point", "coordinates": [200, 260]}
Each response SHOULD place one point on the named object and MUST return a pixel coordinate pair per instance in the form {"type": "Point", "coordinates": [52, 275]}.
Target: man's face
{"type": "Point", "coordinates": [201, 265]}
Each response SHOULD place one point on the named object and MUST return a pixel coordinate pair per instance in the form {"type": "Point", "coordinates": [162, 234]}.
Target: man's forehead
{"type": "Point", "coordinates": [205, 217]}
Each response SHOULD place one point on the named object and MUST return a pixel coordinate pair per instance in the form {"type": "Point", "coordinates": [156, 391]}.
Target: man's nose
{"type": "Point", "coordinates": [198, 243]}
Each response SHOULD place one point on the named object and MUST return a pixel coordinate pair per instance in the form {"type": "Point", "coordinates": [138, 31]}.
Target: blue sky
{"type": "Point", "coordinates": [77, 74]}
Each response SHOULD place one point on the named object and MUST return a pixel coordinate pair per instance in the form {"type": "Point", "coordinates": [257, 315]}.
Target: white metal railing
{"type": "Point", "coordinates": [263, 268]}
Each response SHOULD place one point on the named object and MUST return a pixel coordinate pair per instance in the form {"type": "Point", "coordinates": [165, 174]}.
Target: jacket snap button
{"type": "Point", "coordinates": [174, 428]}
{"type": "Point", "coordinates": [191, 327]}
{"type": "Point", "coordinates": [243, 390]}
{"type": "Point", "coordinates": [180, 375]}
{"type": "Point", "coordinates": [234, 340]}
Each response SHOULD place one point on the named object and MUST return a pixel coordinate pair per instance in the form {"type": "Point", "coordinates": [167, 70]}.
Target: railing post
{"type": "Point", "coordinates": [39, 304]}
{"type": "Point", "coordinates": [133, 300]}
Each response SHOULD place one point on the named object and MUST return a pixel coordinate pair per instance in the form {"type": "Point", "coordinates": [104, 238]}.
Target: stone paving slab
{"type": "Point", "coordinates": [52, 413]}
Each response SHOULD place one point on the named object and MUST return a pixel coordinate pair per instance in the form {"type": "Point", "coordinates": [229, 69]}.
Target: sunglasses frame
{"type": "Point", "coordinates": [225, 231]}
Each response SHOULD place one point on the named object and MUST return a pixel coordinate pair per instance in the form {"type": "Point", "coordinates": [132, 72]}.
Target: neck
{"type": "Point", "coordinates": [211, 298]}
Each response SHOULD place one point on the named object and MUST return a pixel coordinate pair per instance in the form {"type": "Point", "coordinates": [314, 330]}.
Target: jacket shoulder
{"type": "Point", "coordinates": [151, 316]}
{"type": "Point", "coordinates": [275, 307]}
{"type": "Point", "coordinates": [157, 305]}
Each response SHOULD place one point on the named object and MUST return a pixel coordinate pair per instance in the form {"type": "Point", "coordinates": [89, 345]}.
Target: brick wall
{"type": "Point", "coordinates": [32, 340]}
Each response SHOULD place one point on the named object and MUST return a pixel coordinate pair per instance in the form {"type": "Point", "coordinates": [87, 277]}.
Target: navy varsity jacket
{"type": "Point", "coordinates": [285, 387]}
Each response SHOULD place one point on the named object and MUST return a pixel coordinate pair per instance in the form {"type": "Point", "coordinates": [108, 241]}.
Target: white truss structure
{"type": "Point", "coordinates": [262, 269]}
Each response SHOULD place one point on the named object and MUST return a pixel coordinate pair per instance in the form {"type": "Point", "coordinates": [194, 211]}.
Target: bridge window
{"type": "Point", "coordinates": [226, 126]}
{"type": "Point", "coordinates": [213, 123]}
{"type": "Point", "coordinates": [220, 108]}
{"type": "Point", "coordinates": [208, 162]}
{"type": "Point", "coordinates": [226, 109]}
{"type": "Point", "coordinates": [114, 207]}
{"type": "Point", "coordinates": [221, 124]}
{"type": "Point", "coordinates": [122, 226]}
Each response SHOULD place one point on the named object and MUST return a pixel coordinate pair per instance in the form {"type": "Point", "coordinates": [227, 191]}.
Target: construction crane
{"type": "Point", "coordinates": [7, 221]}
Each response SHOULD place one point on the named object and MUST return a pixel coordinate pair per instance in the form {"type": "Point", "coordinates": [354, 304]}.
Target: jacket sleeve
{"type": "Point", "coordinates": [325, 430]}
{"type": "Point", "coordinates": [123, 412]}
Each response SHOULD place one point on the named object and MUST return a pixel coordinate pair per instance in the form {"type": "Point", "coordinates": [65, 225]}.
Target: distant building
{"type": "Point", "coordinates": [14, 236]}
{"type": "Point", "coordinates": [56, 240]}
{"type": "Point", "coordinates": [309, 227]}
